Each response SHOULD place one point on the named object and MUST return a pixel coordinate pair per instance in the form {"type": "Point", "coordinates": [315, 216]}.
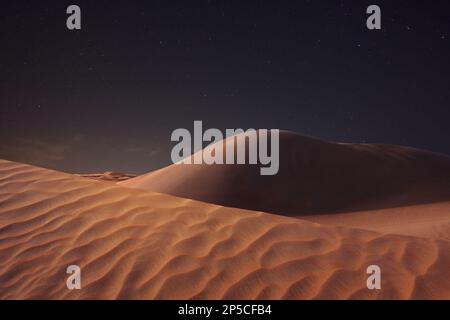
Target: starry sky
{"type": "Point", "coordinates": [108, 96]}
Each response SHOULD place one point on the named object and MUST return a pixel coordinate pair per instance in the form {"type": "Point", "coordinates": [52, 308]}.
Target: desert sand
{"type": "Point", "coordinates": [315, 177]}
{"type": "Point", "coordinates": [426, 220]}
{"type": "Point", "coordinates": [111, 176]}
{"type": "Point", "coordinates": [136, 244]}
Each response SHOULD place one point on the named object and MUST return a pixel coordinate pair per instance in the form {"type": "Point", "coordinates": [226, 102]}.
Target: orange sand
{"type": "Point", "coordinates": [427, 220]}
{"type": "Point", "coordinates": [133, 244]}
{"type": "Point", "coordinates": [315, 177]}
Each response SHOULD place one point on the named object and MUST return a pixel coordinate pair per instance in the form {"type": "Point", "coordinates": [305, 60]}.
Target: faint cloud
{"type": "Point", "coordinates": [134, 149]}
{"type": "Point", "coordinates": [151, 152]}
{"type": "Point", "coordinates": [78, 137]}
{"type": "Point", "coordinates": [33, 151]}
{"type": "Point", "coordinates": [154, 152]}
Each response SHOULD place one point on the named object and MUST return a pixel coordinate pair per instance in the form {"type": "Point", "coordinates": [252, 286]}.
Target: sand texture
{"type": "Point", "coordinates": [314, 177]}
{"type": "Point", "coordinates": [426, 220]}
{"type": "Point", "coordinates": [135, 244]}
{"type": "Point", "coordinates": [108, 176]}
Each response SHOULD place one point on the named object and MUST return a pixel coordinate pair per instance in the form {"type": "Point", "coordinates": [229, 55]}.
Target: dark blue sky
{"type": "Point", "coordinates": [107, 97]}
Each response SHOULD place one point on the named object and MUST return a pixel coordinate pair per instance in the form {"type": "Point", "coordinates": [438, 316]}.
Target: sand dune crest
{"type": "Point", "coordinates": [315, 177]}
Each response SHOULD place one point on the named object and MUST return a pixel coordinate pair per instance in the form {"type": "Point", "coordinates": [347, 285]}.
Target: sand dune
{"type": "Point", "coordinates": [108, 176]}
{"type": "Point", "coordinates": [315, 177]}
{"type": "Point", "coordinates": [133, 244]}
{"type": "Point", "coordinates": [427, 220]}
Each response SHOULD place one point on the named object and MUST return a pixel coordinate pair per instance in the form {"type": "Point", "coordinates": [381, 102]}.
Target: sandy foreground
{"type": "Point", "coordinates": [134, 244]}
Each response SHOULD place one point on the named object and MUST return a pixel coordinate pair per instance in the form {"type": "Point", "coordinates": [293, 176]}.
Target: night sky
{"type": "Point", "coordinates": [107, 97]}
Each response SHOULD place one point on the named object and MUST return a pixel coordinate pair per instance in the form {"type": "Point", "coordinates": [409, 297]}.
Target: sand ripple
{"type": "Point", "coordinates": [133, 244]}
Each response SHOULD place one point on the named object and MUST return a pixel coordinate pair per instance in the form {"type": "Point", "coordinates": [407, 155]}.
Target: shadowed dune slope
{"type": "Point", "coordinates": [141, 245]}
{"type": "Point", "coordinates": [426, 220]}
{"type": "Point", "coordinates": [314, 177]}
